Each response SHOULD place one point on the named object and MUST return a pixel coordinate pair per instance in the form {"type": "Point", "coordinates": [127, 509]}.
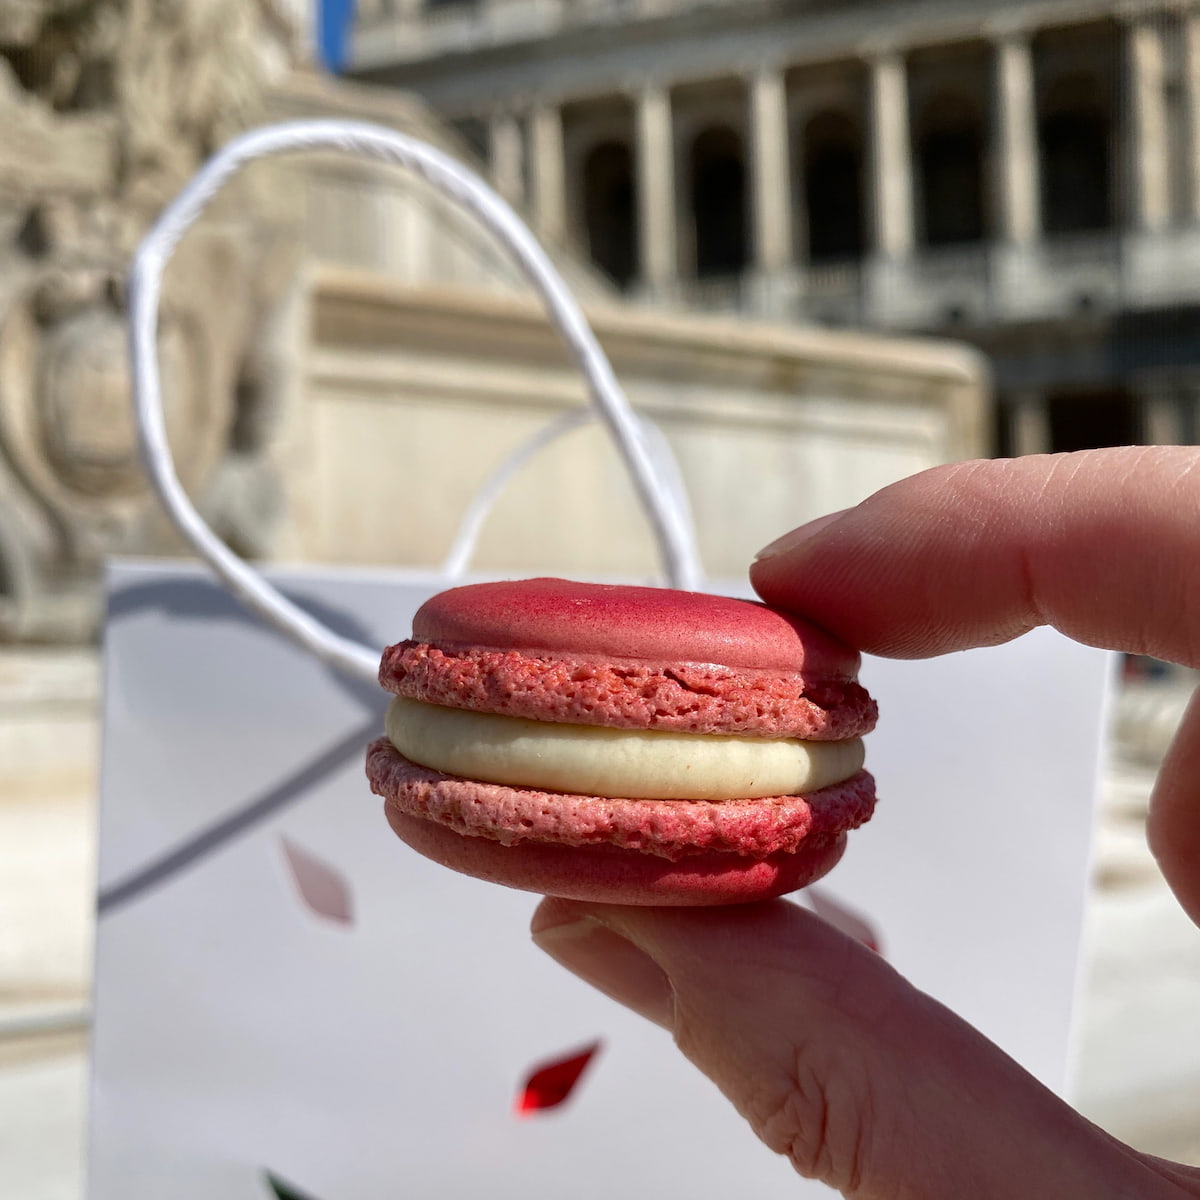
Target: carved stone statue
{"type": "Point", "coordinates": [108, 107]}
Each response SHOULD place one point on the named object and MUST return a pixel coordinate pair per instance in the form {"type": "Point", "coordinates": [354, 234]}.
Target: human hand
{"type": "Point", "coordinates": [836, 1061]}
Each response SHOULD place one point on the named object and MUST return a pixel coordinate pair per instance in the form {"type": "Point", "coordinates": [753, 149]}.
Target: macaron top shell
{"type": "Point", "coordinates": [600, 621]}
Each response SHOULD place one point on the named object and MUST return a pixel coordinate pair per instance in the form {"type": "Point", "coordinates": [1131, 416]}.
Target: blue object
{"type": "Point", "coordinates": [334, 21]}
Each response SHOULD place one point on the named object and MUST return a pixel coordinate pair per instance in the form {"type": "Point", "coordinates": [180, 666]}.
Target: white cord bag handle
{"type": "Point", "coordinates": [666, 466]}
{"type": "Point", "coordinates": [669, 520]}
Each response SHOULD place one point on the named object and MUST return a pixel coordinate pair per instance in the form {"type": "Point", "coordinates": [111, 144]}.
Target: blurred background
{"type": "Point", "coordinates": [826, 245]}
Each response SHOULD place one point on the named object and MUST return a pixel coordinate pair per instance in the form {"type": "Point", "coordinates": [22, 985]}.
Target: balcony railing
{"type": "Point", "coordinates": [719, 294]}
{"type": "Point", "coordinates": [455, 12]}
{"type": "Point", "coordinates": [953, 264]}
{"type": "Point", "coordinates": [1102, 248]}
{"type": "Point", "coordinates": [833, 280]}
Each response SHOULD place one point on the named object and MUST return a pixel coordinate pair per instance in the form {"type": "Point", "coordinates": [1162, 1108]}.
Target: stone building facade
{"type": "Point", "coordinates": [1024, 176]}
{"type": "Point", "coordinates": [108, 106]}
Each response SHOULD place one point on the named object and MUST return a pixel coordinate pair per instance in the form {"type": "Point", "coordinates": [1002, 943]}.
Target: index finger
{"type": "Point", "coordinates": [1102, 544]}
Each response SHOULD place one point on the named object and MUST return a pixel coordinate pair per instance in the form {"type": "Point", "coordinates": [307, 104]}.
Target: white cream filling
{"type": "Point", "coordinates": [594, 761]}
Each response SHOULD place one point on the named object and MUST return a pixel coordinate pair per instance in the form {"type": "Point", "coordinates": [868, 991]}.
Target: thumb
{"type": "Point", "coordinates": [837, 1062]}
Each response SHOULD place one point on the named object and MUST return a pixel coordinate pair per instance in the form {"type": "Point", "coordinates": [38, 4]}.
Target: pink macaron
{"type": "Point", "coordinates": [633, 659]}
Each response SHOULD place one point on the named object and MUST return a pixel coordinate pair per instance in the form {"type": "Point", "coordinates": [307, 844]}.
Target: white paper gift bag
{"type": "Point", "coordinates": [284, 987]}
{"type": "Point", "coordinates": [291, 1003]}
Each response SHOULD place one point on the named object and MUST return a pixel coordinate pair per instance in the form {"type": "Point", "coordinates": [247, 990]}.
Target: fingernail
{"type": "Point", "coordinates": [612, 965]}
{"type": "Point", "coordinates": [797, 537]}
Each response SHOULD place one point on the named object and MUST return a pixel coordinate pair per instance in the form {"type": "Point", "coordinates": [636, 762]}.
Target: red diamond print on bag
{"type": "Point", "coordinates": [321, 887]}
{"type": "Point", "coordinates": [551, 1084]}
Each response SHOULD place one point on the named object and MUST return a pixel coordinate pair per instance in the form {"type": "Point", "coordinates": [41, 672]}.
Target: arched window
{"type": "Point", "coordinates": [833, 188]}
{"type": "Point", "coordinates": [1084, 421]}
{"type": "Point", "coordinates": [609, 211]}
{"type": "Point", "coordinates": [719, 203]}
{"type": "Point", "coordinates": [1075, 133]}
{"type": "Point", "coordinates": [949, 158]}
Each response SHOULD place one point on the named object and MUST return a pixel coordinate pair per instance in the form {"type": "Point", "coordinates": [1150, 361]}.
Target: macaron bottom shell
{"type": "Point", "coordinates": [615, 875]}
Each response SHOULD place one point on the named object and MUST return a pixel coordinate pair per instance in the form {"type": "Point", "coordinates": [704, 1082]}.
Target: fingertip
{"type": "Point", "coordinates": [613, 964]}
{"type": "Point", "coordinates": [798, 537]}
{"type": "Point", "coordinates": [1100, 544]}
{"type": "Point", "coordinates": [554, 912]}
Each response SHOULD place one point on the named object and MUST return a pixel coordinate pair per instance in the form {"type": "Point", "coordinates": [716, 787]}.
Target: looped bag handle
{"type": "Point", "coordinates": [666, 467]}
{"type": "Point", "coordinates": [669, 520]}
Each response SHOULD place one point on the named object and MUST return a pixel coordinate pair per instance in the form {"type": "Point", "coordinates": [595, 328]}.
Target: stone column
{"type": "Point", "coordinates": [507, 157]}
{"type": "Point", "coordinates": [1029, 423]}
{"type": "Point", "coordinates": [1149, 151]}
{"type": "Point", "coordinates": [891, 152]}
{"type": "Point", "coordinates": [1162, 417]}
{"type": "Point", "coordinates": [657, 236]}
{"type": "Point", "coordinates": [1191, 103]}
{"type": "Point", "coordinates": [771, 172]}
{"type": "Point", "coordinates": [1016, 118]}
{"type": "Point", "coordinates": [548, 173]}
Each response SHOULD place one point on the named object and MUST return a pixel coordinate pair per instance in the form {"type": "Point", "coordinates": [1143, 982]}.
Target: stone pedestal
{"type": "Point", "coordinates": [891, 296]}
{"type": "Point", "coordinates": [774, 295]}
